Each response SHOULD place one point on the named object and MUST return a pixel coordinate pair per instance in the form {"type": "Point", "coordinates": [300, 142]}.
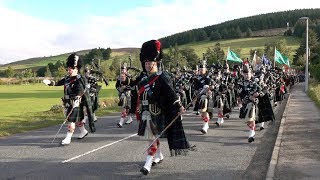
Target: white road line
{"type": "Point", "coordinates": [76, 157]}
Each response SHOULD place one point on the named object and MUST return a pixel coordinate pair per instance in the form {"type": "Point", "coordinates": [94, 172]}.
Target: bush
{"type": "Point", "coordinates": [315, 71]}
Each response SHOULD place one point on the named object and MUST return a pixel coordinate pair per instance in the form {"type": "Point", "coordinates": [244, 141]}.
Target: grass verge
{"type": "Point", "coordinates": [314, 92]}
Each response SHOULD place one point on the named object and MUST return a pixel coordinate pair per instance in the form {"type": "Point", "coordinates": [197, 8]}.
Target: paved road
{"type": "Point", "coordinates": [114, 153]}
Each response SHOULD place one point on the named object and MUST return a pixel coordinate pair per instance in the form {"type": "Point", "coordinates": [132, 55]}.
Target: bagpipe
{"type": "Point", "coordinates": [97, 70]}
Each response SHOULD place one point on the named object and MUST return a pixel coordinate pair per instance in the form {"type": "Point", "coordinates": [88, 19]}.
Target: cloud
{"type": "Point", "coordinates": [23, 36]}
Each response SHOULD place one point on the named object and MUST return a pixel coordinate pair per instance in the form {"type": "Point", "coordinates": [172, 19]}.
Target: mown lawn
{"type": "Point", "coordinates": [26, 107]}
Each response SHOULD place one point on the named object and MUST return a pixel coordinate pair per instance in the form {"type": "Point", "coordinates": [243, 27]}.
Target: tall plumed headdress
{"type": "Point", "coordinates": [74, 61]}
{"type": "Point", "coordinates": [151, 51]}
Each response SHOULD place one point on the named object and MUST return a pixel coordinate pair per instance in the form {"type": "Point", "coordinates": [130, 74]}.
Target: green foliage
{"type": "Point", "coordinates": [314, 92]}
{"type": "Point", "coordinates": [281, 46]}
{"type": "Point", "coordinates": [48, 72]}
{"type": "Point", "coordinates": [215, 54]}
{"type": "Point", "coordinates": [288, 32]}
{"type": "Point", "coordinates": [315, 71]}
{"type": "Point", "coordinates": [234, 28]}
{"type": "Point", "coordinates": [215, 35]}
{"type": "Point", "coordinates": [314, 46]}
{"type": "Point", "coordinates": [249, 32]}
{"type": "Point", "coordinates": [9, 72]}
{"type": "Point", "coordinates": [190, 56]}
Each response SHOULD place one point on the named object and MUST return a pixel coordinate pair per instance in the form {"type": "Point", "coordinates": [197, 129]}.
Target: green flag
{"type": "Point", "coordinates": [232, 56]}
{"type": "Point", "coordinates": [281, 59]}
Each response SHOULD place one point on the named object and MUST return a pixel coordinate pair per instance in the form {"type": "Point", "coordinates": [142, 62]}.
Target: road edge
{"type": "Point", "coordinates": [276, 149]}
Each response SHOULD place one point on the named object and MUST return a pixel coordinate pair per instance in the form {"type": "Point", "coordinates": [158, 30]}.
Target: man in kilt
{"type": "Point", "coordinates": [265, 109]}
{"type": "Point", "coordinates": [123, 85]}
{"type": "Point", "coordinates": [248, 93]}
{"type": "Point", "coordinates": [157, 107]}
{"type": "Point", "coordinates": [76, 97]}
{"type": "Point", "coordinates": [94, 89]}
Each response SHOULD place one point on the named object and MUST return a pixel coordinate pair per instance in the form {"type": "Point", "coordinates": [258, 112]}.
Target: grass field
{"type": "Point", "coordinates": [25, 107]}
{"type": "Point", "coordinates": [245, 44]}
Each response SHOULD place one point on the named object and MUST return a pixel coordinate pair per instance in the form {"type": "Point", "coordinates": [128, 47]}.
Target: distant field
{"type": "Point", "coordinates": [25, 107]}
{"type": "Point", "coordinates": [245, 44]}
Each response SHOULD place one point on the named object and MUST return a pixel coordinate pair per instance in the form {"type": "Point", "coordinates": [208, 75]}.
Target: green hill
{"type": "Point", "coordinates": [245, 44]}
{"type": "Point", "coordinates": [36, 63]}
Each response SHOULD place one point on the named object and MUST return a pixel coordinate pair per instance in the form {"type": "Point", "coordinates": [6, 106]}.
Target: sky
{"type": "Point", "coordinates": [36, 28]}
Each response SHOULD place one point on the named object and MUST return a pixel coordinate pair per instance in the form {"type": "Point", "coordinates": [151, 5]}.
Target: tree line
{"type": "Point", "coordinates": [243, 27]}
{"type": "Point", "coordinates": [58, 69]}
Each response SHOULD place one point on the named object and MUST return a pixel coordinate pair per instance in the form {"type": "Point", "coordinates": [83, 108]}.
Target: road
{"type": "Point", "coordinates": [117, 153]}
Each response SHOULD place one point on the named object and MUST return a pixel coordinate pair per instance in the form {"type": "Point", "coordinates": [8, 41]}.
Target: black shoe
{"type": "Point", "coordinates": [203, 131]}
{"type": "Point", "coordinates": [155, 163]}
{"type": "Point", "coordinates": [197, 113]}
{"type": "Point", "coordinates": [217, 124]}
{"type": "Point", "coordinates": [228, 116]}
{"type": "Point", "coordinates": [261, 128]}
{"type": "Point", "coordinates": [144, 171]}
{"type": "Point", "coordinates": [251, 139]}
{"type": "Point", "coordinates": [119, 125]}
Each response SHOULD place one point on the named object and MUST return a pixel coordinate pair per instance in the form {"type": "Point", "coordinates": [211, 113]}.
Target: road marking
{"type": "Point", "coordinates": [94, 150]}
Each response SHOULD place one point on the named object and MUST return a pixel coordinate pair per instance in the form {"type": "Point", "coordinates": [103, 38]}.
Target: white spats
{"type": "Point", "coordinates": [129, 121]}
{"type": "Point", "coordinates": [67, 140]}
{"type": "Point", "coordinates": [262, 126]}
{"type": "Point", "coordinates": [220, 121]}
{"type": "Point", "coordinates": [205, 127]}
{"type": "Point", "coordinates": [83, 132]}
{"type": "Point", "coordinates": [147, 166]}
{"type": "Point", "coordinates": [252, 133]}
{"type": "Point", "coordinates": [71, 128]}
{"type": "Point", "coordinates": [95, 117]}
{"type": "Point", "coordinates": [85, 119]}
{"type": "Point", "coordinates": [120, 124]}
{"type": "Point", "coordinates": [158, 157]}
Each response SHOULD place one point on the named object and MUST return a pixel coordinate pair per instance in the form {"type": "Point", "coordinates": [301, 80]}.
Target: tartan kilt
{"type": "Point", "coordinates": [94, 102]}
{"type": "Point", "coordinates": [279, 96]}
{"type": "Point", "coordinates": [157, 124]}
{"type": "Point", "coordinates": [226, 104]}
{"type": "Point", "coordinates": [176, 137]}
{"type": "Point", "coordinates": [265, 111]}
{"type": "Point", "coordinates": [76, 114]}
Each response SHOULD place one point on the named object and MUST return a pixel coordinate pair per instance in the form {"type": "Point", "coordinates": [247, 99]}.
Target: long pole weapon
{"type": "Point", "coordinates": [174, 119]}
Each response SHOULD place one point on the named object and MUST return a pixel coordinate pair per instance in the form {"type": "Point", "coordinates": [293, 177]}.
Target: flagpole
{"type": "Point", "coordinates": [274, 58]}
{"type": "Point", "coordinates": [227, 55]}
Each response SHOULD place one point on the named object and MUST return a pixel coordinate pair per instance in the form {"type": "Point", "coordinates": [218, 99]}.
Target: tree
{"type": "Point", "coordinates": [218, 52]}
{"type": "Point", "coordinates": [312, 43]}
{"type": "Point", "coordinates": [106, 53]}
{"type": "Point", "coordinates": [281, 47]}
{"type": "Point", "coordinates": [215, 35]}
{"type": "Point", "coordinates": [48, 72]}
{"type": "Point", "coordinates": [61, 72]}
{"type": "Point", "coordinates": [249, 32]}
{"type": "Point", "coordinates": [41, 72]}
{"type": "Point", "coordinates": [9, 72]}
{"type": "Point", "coordinates": [202, 35]}
{"type": "Point", "coordinates": [28, 73]}
{"type": "Point", "coordinates": [288, 32]}
{"type": "Point", "coordinates": [115, 65]}
{"type": "Point", "coordinates": [190, 56]}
